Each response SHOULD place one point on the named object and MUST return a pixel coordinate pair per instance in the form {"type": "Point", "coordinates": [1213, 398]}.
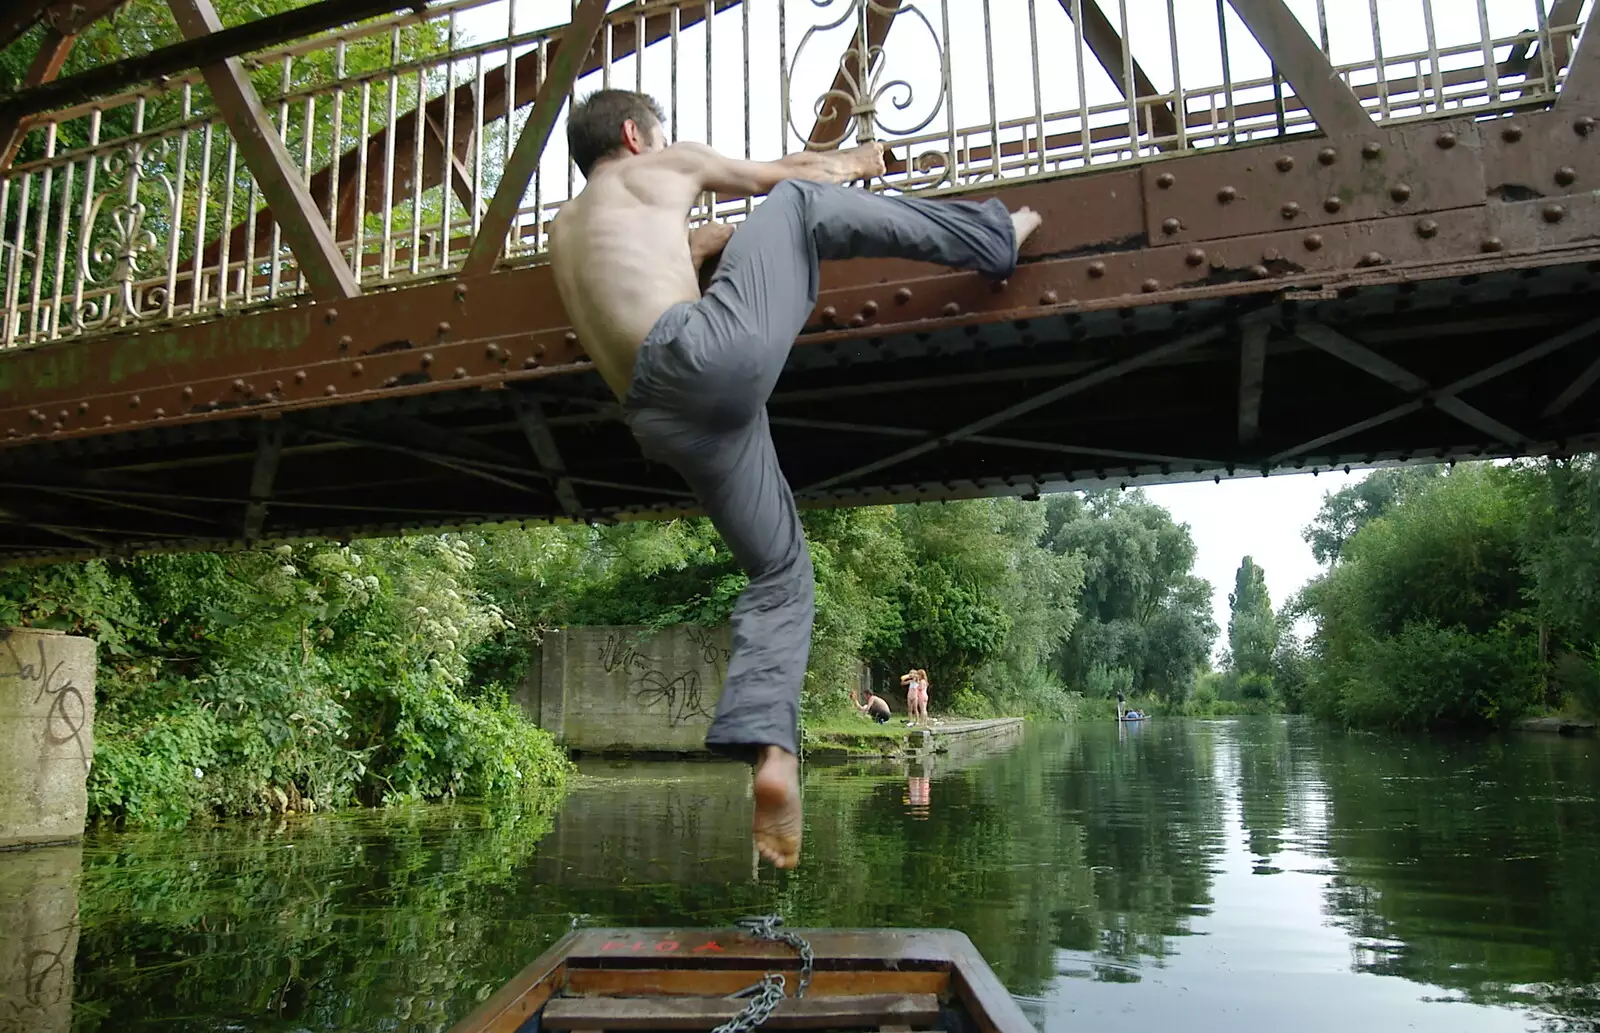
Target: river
{"type": "Point", "coordinates": [1247, 874]}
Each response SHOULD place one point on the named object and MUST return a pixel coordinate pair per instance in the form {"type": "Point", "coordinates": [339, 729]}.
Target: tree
{"type": "Point", "coordinates": [1145, 618]}
{"type": "Point", "coordinates": [1346, 511]}
{"type": "Point", "coordinates": [1252, 632]}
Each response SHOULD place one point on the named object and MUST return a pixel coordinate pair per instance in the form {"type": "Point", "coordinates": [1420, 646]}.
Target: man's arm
{"type": "Point", "coordinates": [733, 176]}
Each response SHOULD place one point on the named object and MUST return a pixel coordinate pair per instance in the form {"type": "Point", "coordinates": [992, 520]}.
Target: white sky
{"type": "Point", "coordinates": [1259, 517]}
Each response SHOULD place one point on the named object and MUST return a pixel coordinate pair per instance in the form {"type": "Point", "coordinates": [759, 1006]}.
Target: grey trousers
{"type": "Point", "coordinates": [698, 403]}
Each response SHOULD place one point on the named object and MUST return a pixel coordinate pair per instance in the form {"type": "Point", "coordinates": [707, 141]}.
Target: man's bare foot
{"type": "Point", "coordinates": [778, 823]}
{"type": "Point", "coordinates": [1023, 222]}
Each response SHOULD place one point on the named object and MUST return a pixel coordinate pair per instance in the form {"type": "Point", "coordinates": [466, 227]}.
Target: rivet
{"type": "Point", "coordinates": [62, 414]}
{"type": "Point", "coordinates": [1372, 258]}
{"type": "Point", "coordinates": [332, 315]}
{"type": "Point", "coordinates": [570, 337]}
{"type": "Point", "coordinates": [106, 420]}
{"type": "Point", "coordinates": [1291, 210]}
{"type": "Point", "coordinates": [188, 393]}
{"type": "Point", "coordinates": [460, 372]}
{"type": "Point", "coordinates": [357, 369]}
{"type": "Point", "coordinates": [35, 415]}
{"type": "Point", "coordinates": [830, 314]}
{"type": "Point", "coordinates": [1285, 163]}
{"type": "Point", "coordinates": [12, 432]}
{"type": "Point", "coordinates": [1097, 269]}
{"type": "Point", "coordinates": [1332, 205]}
{"type": "Point", "coordinates": [1314, 242]}
{"type": "Point", "coordinates": [1151, 285]}
{"type": "Point", "coordinates": [1371, 150]}
{"type": "Point", "coordinates": [238, 385]}
{"type": "Point", "coordinates": [1226, 195]}
{"type": "Point", "coordinates": [870, 308]}
{"type": "Point", "coordinates": [1327, 156]}
{"type": "Point", "coordinates": [161, 414]}
{"type": "Point", "coordinates": [1196, 257]}
{"type": "Point", "coordinates": [952, 309]}
{"type": "Point", "coordinates": [1566, 175]}
{"type": "Point", "coordinates": [1171, 226]}
{"type": "Point", "coordinates": [133, 403]}
{"type": "Point", "coordinates": [1165, 181]}
{"type": "Point", "coordinates": [392, 382]}
{"type": "Point", "coordinates": [1427, 229]}
{"type": "Point", "coordinates": [1492, 244]}
{"type": "Point", "coordinates": [300, 376]}
{"type": "Point", "coordinates": [1554, 213]}
{"type": "Point", "coordinates": [1511, 133]}
{"type": "Point", "coordinates": [345, 342]}
{"type": "Point", "coordinates": [902, 295]}
{"type": "Point", "coordinates": [444, 328]}
{"type": "Point", "coordinates": [1584, 126]}
{"type": "Point", "coordinates": [56, 425]}
{"type": "Point", "coordinates": [427, 360]}
{"type": "Point", "coordinates": [83, 407]}
{"type": "Point", "coordinates": [858, 320]}
{"type": "Point", "coordinates": [530, 363]}
{"type": "Point", "coordinates": [1401, 192]}
{"type": "Point", "coordinates": [1270, 255]}
{"type": "Point", "coordinates": [330, 390]}
{"type": "Point", "coordinates": [492, 350]}
{"type": "Point", "coordinates": [1259, 272]}
{"type": "Point", "coordinates": [1049, 298]}
{"type": "Point", "coordinates": [461, 290]}
{"type": "Point", "coordinates": [1446, 141]}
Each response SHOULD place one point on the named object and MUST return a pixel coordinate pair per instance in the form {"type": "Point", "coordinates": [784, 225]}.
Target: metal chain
{"type": "Point", "coordinates": [766, 994]}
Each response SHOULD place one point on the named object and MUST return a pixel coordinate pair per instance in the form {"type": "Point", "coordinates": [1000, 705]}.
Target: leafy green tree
{"type": "Point", "coordinates": [1252, 632]}
{"type": "Point", "coordinates": [1348, 510]}
{"type": "Point", "coordinates": [1142, 610]}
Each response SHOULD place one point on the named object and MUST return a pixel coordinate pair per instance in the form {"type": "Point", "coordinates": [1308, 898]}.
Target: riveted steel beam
{"type": "Point", "coordinates": [269, 161]}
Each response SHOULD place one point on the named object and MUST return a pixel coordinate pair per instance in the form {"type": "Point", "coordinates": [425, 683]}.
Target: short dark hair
{"type": "Point", "coordinates": [594, 129]}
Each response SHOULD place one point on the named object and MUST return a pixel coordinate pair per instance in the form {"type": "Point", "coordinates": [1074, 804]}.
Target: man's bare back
{"type": "Point", "coordinates": [621, 251]}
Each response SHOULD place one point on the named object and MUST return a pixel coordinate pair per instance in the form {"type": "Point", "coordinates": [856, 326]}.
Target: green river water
{"type": "Point", "coordinates": [1240, 875]}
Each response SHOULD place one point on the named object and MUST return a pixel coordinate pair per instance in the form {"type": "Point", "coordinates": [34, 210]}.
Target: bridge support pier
{"type": "Point", "coordinates": [39, 913]}
{"type": "Point", "coordinates": [46, 735]}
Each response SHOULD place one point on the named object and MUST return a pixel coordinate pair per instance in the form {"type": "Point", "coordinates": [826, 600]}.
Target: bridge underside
{"type": "Point", "coordinates": [1410, 292]}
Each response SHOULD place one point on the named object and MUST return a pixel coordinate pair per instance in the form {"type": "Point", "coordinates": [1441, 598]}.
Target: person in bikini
{"type": "Point", "coordinates": [916, 683]}
{"type": "Point", "coordinates": [694, 370]}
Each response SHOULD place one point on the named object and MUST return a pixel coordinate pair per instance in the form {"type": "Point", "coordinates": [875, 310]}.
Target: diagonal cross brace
{"type": "Point", "coordinates": [1329, 98]}
{"type": "Point", "coordinates": [1105, 43]}
{"type": "Point", "coordinates": [45, 67]}
{"type": "Point", "coordinates": [1027, 405]}
{"type": "Point", "coordinates": [269, 161]}
{"type": "Point", "coordinates": [1364, 358]}
{"type": "Point", "coordinates": [564, 71]}
{"type": "Point", "coordinates": [536, 427]}
{"type": "Point", "coordinates": [1545, 348]}
{"type": "Point", "coordinates": [263, 475]}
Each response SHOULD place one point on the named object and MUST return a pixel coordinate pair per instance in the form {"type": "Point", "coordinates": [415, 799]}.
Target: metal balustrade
{"type": "Point", "coordinates": [139, 209]}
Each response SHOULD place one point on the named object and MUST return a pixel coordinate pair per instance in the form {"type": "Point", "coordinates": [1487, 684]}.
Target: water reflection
{"type": "Point", "coordinates": [1233, 874]}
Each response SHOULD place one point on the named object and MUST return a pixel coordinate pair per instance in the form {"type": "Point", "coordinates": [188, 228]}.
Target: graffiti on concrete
{"type": "Point", "coordinates": [652, 686]}
{"type": "Point", "coordinates": [69, 712]}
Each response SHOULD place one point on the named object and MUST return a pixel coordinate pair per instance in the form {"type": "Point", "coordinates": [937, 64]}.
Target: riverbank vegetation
{"type": "Point", "coordinates": [324, 675]}
{"type": "Point", "coordinates": [1464, 598]}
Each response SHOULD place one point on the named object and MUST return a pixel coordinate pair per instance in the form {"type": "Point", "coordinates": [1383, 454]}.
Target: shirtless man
{"type": "Point", "coordinates": [694, 372]}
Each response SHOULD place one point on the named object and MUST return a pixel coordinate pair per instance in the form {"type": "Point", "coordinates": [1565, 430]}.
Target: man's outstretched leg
{"type": "Point", "coordinates": [698, 403]}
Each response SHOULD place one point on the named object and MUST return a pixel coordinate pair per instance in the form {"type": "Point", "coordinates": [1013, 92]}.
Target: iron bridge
{"type": "Point", "coordinates": [285, 279]}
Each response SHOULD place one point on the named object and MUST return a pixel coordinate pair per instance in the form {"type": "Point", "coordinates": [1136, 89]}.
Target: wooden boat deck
{"type": "Point", "coordinates": [889, 980]}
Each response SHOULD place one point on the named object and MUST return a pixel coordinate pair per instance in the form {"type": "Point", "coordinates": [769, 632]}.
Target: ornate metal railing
{"type": "Point", "coordinates": [138, 208]}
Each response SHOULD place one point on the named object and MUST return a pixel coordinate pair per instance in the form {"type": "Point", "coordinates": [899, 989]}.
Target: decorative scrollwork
{"type": "Point", "coordinates": [119, 238]}
{"type": "Point", "coordinates": [854, 101]}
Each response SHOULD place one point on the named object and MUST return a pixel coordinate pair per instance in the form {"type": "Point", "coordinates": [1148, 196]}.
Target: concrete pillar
{"type": "Point", "coordinates": [39, 916]}
{"type": "Point", "coordinates": [46, 735]}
